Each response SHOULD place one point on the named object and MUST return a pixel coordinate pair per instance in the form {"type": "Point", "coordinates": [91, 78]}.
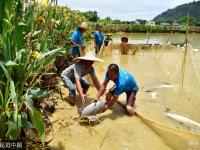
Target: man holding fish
{"type": "Point", "coordinates": [75, 75]}
{"type": "Point", "coordinates": [124, 82]}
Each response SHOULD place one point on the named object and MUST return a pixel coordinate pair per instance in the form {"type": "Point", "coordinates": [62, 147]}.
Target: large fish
{"type": "Point", "coordinates": [182, 119]}
{"type": "Point", "coordinates": [92, 108]}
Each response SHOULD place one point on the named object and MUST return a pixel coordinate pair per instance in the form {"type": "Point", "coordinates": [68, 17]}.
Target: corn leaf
{"type": "Point", "coordinates": [37, 121]}
{"type": "Point", "coordinates": [20, 28]}
{"type": "Point", "coordinates": [11, 63]}
{"type": "Point", "coordinates": [12, 92]}
{"type": "Point", "coordinates": [43, 61]}
{"type": "Point", "coordinates": [1, 100]}
{"type": "Point", "coordinates": [37, 93]}
{"type": "Point", "coordinates": [48, 54]}
{"type": "Point", "coordinates": [9, 5]}
{"type": "Point", "coordinates": [5, 70]}
{"type": "Point", "coordinates": [2, 2]}
{"type": "Point", "coordinates": [25, 122]}
{"type": "Point", "coordinates": [14, 127]}
{"type": "Point", "coordinates": [3, 83]}
{"type": "Point", "coordinates": [19, 55]}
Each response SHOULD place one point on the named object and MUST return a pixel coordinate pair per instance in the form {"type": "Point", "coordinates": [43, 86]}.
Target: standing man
{"type": "Point", "coordinates": [124, 82]}
{"type": "Point", "coordinates": [75, 73]}
{"type": "Point", "coordinates": [76, 39]}
{"type": "Point", "coordinates": [98, 38]}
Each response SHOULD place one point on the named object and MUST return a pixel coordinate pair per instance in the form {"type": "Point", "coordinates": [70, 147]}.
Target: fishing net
{"type": "Point", "coordinates": [169, 79]}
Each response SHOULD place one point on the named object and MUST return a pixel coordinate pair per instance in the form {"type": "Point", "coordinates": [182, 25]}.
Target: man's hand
{"type": "Point", "coordinates": [84, 46]}
{"type": "Point", "coordinates": [104, 108]}
{"type": "Point", "coordinates": [83, 98]}
{"type": "Point", "coordinates": [102, 89]}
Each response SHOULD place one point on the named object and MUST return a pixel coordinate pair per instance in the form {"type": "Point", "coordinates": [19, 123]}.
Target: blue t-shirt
{"type": "Point", "coordinates": [125, 82]}
{"type": "Point", "coordinates": [76, 37]}
{"type": "Point", "coordinates": [106, 41]}
{"type": "Point", "coordinates": [98, 36]}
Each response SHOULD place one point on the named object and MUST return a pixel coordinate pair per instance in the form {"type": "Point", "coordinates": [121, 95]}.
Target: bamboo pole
{"type": "Point", "coordinates": [185, 52]}
{"type": "Point", "coordinates": [149, 35]}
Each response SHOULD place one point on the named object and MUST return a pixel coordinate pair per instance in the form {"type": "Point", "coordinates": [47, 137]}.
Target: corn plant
{"type": "Point", "coordinates": [18, 62]}
{"type": "Point", "coordinates": [56, 24]}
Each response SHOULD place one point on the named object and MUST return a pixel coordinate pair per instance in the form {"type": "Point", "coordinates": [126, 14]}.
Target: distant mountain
{"type": "Point", "coordinates": [178, 13]}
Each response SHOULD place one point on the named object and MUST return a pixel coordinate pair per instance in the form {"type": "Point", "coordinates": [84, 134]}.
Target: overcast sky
{"type": "Point", "coordinates": [124, 9]}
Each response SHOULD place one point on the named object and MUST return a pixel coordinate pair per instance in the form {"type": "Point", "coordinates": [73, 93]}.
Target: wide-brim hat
{"type": "Point", "coordinates": [90, 57]}
{"type": "Point", "coordinates": [83, 25]}
{"type": "Point", "coordinates": [108, 34]}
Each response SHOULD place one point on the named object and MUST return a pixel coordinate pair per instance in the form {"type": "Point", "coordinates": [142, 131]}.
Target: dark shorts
{"type": "Point", "coordinates": [130, 96]}
{"type": "Point", "coordinates": [97, 49]}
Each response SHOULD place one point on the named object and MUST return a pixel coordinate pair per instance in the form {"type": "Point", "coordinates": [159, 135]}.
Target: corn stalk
{"type": "Point", "coordinates": [17, 64]}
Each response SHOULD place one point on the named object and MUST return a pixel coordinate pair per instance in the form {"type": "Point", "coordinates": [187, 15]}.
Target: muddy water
{"type": "Point", "coordinates": [138, 38]}
{"type": "Point", "coordinates": [160, 92]}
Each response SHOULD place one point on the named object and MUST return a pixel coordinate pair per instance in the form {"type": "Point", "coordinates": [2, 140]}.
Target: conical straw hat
{"type": "Point", "coordinates": [83, 25]}
{"type": "Point", "coordinates": [108, 34]}
{"type": "Point", "coordinates": [89, 56]}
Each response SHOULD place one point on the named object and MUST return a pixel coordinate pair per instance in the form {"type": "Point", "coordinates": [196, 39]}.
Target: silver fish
{"type": "Point", "coordinates": [92, 108]}
{"type": "Point", "coordinates": [182, 119]}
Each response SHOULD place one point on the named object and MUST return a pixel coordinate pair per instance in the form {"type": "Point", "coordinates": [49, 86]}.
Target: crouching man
{"type": "Point", "coordinates": [75, 75]}
{"type": "Point", "coordinates": [124, 82]}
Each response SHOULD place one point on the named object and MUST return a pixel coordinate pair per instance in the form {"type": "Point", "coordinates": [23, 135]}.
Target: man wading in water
{"type": "Point", "coordinates": [76, 39]}
{"type": "Point", "coordinates": [98, 38]}
{"type": "Point", "coordinates": [75, 73]}
{"type": "Point", "coordinates": [124, 82]}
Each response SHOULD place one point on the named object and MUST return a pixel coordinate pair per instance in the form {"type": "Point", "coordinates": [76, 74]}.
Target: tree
{"type": "Point", "coordinates": [170, 20]}
{"type": "Point", "coordinates": [183, 21]}
{"type": "Point", "coordinates": [91, 16]}
{"type": "Point", "coordinates": [108, 19]}
{"type": "Point", "coordinates": [116, 21]}
{"type": "Point", "coordinates": [141, 21]}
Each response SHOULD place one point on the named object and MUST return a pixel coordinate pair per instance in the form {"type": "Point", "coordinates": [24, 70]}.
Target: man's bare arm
{"type": "Point", "coordinates": [80, 90]}
{"type": "Point", "coordinates": [96, 82]}
{"type": "Point", "coordinates": [101, 90]}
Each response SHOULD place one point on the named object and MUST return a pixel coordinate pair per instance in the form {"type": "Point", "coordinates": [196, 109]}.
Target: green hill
{"type": "Point", "coordinates": [178, 13]}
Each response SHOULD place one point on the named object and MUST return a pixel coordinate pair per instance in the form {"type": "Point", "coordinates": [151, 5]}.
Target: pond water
{"type": "Point", "coordinates": [138, 38]}
{"type": "Point", "coordinates": [159, 73]}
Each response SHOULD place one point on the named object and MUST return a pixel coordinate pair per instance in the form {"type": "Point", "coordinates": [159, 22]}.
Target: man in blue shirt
{"type": "Point", "coordinates": [98, 38]}
{"type": "Point", "coordinates": [124, 82]}
{"type": "Point", "coordinates": [77, 40]}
